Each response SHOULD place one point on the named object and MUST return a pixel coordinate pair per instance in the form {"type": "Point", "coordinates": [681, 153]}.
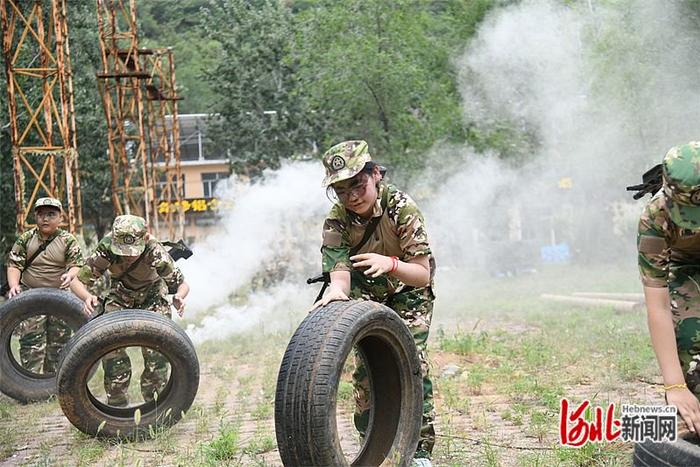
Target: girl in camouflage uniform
{"type": "Point", "coordinates": [394, 267]}
{"type": "Point", "coordinates": [142, 274]}
{"type": "Point", "coordinates": [669, 262]}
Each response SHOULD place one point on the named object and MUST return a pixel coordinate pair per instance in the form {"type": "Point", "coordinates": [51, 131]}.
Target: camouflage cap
{"type": "Point", "coordinates": [681, 174]}
{"type": "Point", "coordinates": [50, 202]}
{"type": "Point", "coordinates": [344, 161]}
{"type": "Point", "coordinates": [128, 234]}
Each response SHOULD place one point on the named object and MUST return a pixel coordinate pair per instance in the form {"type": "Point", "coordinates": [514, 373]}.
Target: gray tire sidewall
{"type": "Point", "coordinates": [119, 329]}
{"type": "Point", "coordinates": [23, 385]}
{"type": "Point", "coordinates": [292, 420]}
{"type": "Point", "coordinates": [679, 453]}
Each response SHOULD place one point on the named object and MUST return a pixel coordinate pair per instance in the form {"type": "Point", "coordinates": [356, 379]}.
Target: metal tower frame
{"type": "Point", "coordinates": [164, 137]}
{"type": "Point", "coordinates": [119, 83]}
{"type": "Point", "coordinates": [44, 147]}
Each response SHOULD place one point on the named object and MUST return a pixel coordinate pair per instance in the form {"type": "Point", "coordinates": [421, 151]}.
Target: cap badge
{"type": "Point", "coordinates": [128, 239]}
{"type": "Point", "coordinates": [695, 197]}
{"type": "Point", "coordinates": [337, 163]}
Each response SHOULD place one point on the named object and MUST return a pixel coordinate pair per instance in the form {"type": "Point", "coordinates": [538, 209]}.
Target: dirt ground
{"type": "Point", "coordinates": [498, 379]}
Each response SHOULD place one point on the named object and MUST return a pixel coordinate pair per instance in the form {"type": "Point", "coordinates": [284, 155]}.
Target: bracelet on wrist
{"type": "Point", "coordinates": [668, 387]}
{"type": "Point", "coordinates": [394, 263]}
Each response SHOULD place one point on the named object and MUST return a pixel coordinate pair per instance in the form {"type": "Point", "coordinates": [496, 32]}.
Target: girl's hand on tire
{"type": "Point", "coordinates": [14, 291]}
{"type": "Point", "coordinates": [376, 264]}
{"type": "Point", "coordinates": [688, 407]}
{"type": "Point", "coordinates": [333, 294]}
{"type": "Point", "coordinates": [179, 304]}
{"type": "Point", "coordinates": [90, 303]}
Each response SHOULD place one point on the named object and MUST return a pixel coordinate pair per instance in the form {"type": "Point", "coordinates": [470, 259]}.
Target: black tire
{"type": "Point", "coordinates": [307, 386]}
{"type": "Point", "coordinates": [15, 381]}
{"type": "Point", "coordinates": [682, 452]}
{"type": "Point", "coordinates": [120, 329]}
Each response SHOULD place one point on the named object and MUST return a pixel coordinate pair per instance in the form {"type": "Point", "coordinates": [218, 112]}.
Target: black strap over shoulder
{"type": "Point", "coordinates": [38, 251]}
{"type": "Point", "coordinates": [372, 226]}
{"type": "Point", "coordinates": [6, 286]}
{"type": "Point", "coordinates": [133, 265]}
{"type": "Point", "coordinates": [652, 181]}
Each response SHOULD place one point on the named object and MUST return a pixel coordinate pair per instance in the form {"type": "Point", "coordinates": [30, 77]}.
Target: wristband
{"type": "Point", "coordinates": [675, 386]}
{"type": "Point", "coordinates": [394, 263]}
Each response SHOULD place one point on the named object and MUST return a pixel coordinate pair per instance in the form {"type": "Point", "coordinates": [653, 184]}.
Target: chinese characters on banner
{"type": "Point", "coordinates": [194, 205]}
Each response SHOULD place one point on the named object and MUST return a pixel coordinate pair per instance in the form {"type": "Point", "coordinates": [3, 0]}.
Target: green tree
{"type": "Point", "coordinates": [263, 113]}
{"type": "Point", "coordinates": [381, 71]}
{"type": "Point", "coordinates": [164, 23]}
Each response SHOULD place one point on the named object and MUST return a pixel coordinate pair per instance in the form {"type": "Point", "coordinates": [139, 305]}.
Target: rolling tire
{"type": "Point", "coordinates": [120, 329]}
{"type": "Point", "coordinates": [307, 386]}
{"type": "Point", "coordinates": [682, 452]}
{"type": "Point", "coordinates": [15, 381]}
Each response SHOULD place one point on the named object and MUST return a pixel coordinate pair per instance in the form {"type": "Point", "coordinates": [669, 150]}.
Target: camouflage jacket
{"type": "Point", "coordinates": [152, 277]}
{"type": "Point", "coordinates": [662, 245]}
{"type": "Point", "coordinates": [400, 232]}
{"type": "Point", "coordinates": [60, 255]}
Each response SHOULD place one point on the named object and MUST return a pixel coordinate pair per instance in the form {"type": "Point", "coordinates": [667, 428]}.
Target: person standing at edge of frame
{"type": "Point", "coordinates": [394, 267]}
{"type": "Point", "coordinates": [142, 276]}
{"type": "Point", "coordinates": [668, 243]}
{"type": "Point", "coordinates": [45, 256]}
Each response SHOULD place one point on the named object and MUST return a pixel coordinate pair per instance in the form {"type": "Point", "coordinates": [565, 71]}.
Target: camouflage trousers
{"type": "Point", "coordinates": [684, 289]}
{"type": "Point", "coordinates": [117, 365]}
{"type": "Point", "coordinates": [41, 339]}
{"type": "Point", "coordinates": [415, 307]}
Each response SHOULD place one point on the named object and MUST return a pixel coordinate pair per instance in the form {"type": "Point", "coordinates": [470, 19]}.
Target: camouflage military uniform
{"type": "Point", "coordinates": [42, 337]}
{"type": "Point", "coordinates": [143, 287]}
{"type": "Point", "coordinates": [401, 233]}
{"type": "Point", "coordinates": [668, 243]}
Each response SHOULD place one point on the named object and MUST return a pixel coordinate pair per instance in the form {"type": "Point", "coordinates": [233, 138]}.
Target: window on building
{"type": "Point", "coordinates": [209, 182]}
{"type": "Point", "coordinates": [162, 190]}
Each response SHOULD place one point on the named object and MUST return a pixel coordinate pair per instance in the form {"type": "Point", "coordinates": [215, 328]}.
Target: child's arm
{"type": "Point", "coordinates": [663, 339]}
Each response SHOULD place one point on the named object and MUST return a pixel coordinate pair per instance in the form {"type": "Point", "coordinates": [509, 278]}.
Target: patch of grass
{"type": "Point", "coordinates": [345, 391]}
{"type": "Point", "coordinates": [263, 410]}
{"type": "Point", "coordinates": [595, 454]}
{"type": "Point", "coordinates": [260, 445]}
{"type": "Point", "coordinates": [89, 452]}
{"type": "Point", "coordinates": [491, 457]}
{"type": "Point", "coordinates": [540, 424]}
{"type": "Point", "coordinates": [8, 436]}
{"type": "Point", "coordinates": [462, 343]}
{"type": "Point", "coordinates": [224, 447]}
{"type": "Point", "coordinates": [7, 409]}
{"type": "Point", "coordinates": [476, 375]}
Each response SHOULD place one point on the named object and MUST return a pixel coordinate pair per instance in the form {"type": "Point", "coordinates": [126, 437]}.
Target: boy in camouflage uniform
{"type": "Point", "coordinates": [668, 243]}
{"type": "Point", "coordinates": [42, 337]}
{"type": "Point", "coordinates": [394, 267]}
{"type": "Point", "coordinates": [142, 274]}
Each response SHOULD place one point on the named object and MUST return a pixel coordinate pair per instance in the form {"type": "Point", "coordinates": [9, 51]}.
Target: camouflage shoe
{"type": "Point", "coordinates": [50, 202]}
{"type": "Point", "coordinates": [128, 234]}
{"type": "Point", "coordinates": [681, 174]}
{"type": "Point", "coordinates": [344, 161]}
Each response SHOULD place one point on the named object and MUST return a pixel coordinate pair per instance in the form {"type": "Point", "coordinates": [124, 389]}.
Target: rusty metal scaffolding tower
{"type": "Point", "coordinates": [164, 137]}
{"type": "Point", "coordinates": [120, 87]}
{"type": "Point", "coordinates": [140, 102]}
{"type": "Point", "coordinates": [41, 110]}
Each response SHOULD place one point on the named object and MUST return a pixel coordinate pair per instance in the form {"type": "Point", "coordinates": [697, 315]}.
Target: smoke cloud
{"type": "Point", "coordinates": [591, 95]}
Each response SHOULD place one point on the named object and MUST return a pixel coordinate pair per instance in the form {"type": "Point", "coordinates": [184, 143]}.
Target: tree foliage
{"type": "Point", "coordinates": [264, 116]}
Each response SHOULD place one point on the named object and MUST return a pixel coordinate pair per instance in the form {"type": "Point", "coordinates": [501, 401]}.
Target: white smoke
{"type": "Point", "coordinates": [279, 308]}
{"type": "Point", "coordinates": [267, 217]}
{"type": "Point", "coordinates": [603, 91]}
{"type": "Point", "coordinates": [600, 90]}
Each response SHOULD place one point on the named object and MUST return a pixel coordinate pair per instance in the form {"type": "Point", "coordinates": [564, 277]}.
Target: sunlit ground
{"type": "Point", "coordinates": [501, 360]}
